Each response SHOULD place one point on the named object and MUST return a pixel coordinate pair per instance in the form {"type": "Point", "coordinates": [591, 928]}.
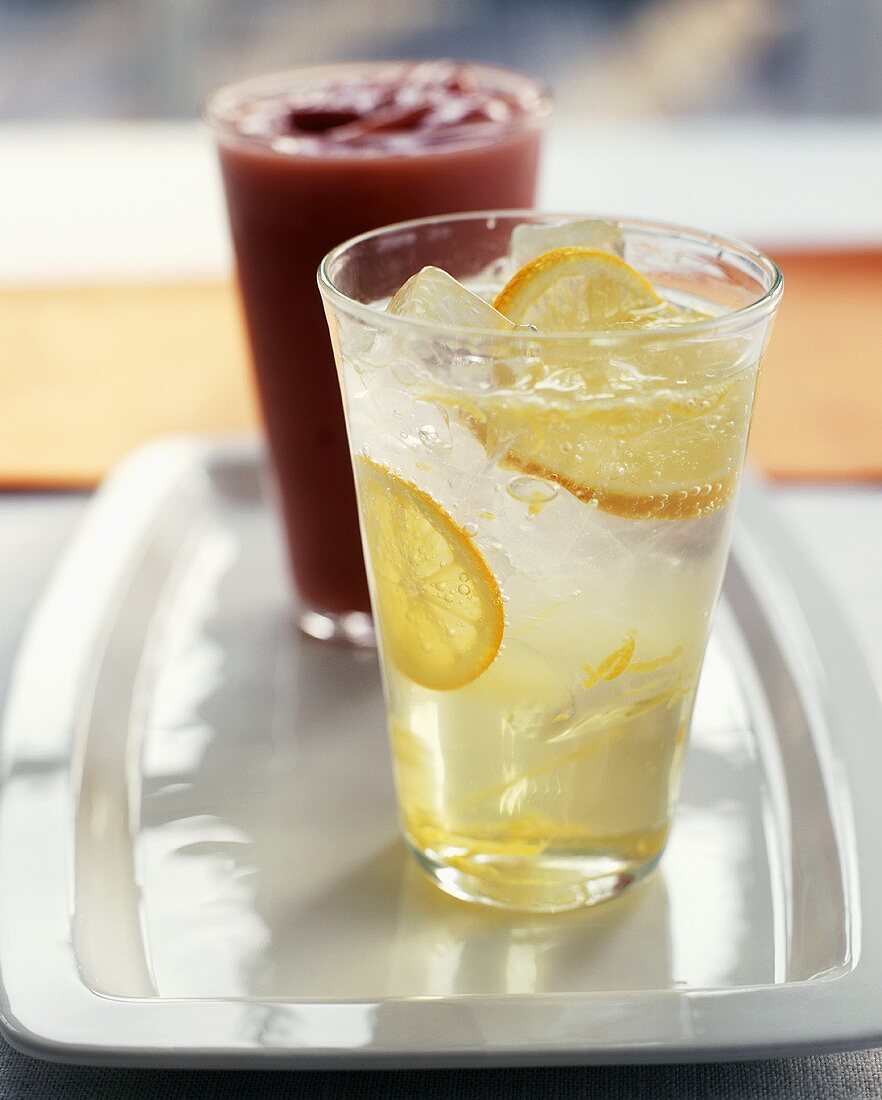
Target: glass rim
{"type": "Point", "coordinates": [216, 106]}
{"type": "Point", "coordinates": [724, 323]}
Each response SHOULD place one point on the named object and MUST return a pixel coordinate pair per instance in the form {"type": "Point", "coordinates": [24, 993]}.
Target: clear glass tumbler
{"type": "Point", "coordinates": [546, 520]}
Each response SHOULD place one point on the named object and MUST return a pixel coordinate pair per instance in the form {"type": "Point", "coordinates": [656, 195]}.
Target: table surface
{"type": "Point", "coordinates": [743, 177]}
{"type": "Point", "coordinates": [840, 528]}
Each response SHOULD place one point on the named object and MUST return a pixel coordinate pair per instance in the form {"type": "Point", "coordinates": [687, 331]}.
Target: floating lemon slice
{"type": "Point", "coordinates": [652, 456]}
{"type": "Point", "coordinates": [653, 452]}
{"type": "Point", "coordinates": [438, 605]}
{"type": "Point", "coordinates": [576, 290]}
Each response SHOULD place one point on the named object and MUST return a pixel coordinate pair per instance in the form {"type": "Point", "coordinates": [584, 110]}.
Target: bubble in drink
{"type": "Point", "coordinates": [532, 492]}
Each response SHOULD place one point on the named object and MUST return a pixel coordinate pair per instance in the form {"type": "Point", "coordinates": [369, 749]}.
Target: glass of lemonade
{"type": "Point", "coordinates": [548, 418]}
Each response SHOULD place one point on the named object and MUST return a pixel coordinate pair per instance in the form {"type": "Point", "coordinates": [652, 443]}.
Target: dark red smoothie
{"type": "Point", "coordinates": [310, 158]}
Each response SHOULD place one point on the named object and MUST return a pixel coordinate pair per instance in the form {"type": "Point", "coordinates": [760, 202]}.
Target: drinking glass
{"type": "Point", "coordinates": [289, 200]}
{"type": "Point", "coordinates": [546, 520]}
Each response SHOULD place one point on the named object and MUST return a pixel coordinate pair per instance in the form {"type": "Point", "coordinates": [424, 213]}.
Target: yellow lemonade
{"type": "Point", "coordinates": [546, 534]}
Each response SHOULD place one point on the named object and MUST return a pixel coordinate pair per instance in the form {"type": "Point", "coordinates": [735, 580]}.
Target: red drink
{"type": "Point", "coordinates": [310, 158]}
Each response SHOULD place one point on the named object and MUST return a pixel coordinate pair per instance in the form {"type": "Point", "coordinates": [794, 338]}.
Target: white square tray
{"type": "Point", "coordinates": [200, 861]}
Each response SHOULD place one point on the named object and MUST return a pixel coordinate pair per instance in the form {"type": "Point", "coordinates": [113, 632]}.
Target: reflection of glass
{"type": "Point", "coordinates": [308, 158]}
{"type": "Point", "coordinates": [546, 518]}
{"type": "Point", "coordinates": [447, 950]}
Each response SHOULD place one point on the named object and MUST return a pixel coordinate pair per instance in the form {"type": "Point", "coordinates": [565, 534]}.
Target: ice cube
{"type": "Point", "coordinates": [417, 357]}
{"type": "Point", "coordinates": [434, 296]}
{"type": "Point", "coordinates": [530, 241]}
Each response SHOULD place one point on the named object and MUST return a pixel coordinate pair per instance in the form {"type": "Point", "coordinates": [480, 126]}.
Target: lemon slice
{"type": "Point", "coordinates": [438, 606]}
{"type": "Point", "coordinates": [655, 455]}
{"type": "Point", "coordinates": [576, 289]}
{"type": "Point", "coordinates": [434, 296]}
{"type": "Point", "coordinates": [649, 453]}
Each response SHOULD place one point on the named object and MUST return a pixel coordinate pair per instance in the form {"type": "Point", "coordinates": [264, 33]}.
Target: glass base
{"type": "Point", "coordinates": [353, 628]}
{"type": "Point", "coordinates": [546, 884]}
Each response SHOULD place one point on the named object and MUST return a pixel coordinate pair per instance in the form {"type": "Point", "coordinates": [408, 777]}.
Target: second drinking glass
{"type": "Point", "coordinates": [309, 158]}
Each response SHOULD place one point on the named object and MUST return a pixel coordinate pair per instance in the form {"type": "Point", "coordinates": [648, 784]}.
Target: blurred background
{"type": "Point", "coordinates": [118, 321]}
{"type": "Point", "coordinates": [131, 59]}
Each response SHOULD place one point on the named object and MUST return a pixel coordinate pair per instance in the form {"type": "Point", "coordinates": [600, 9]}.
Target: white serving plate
{"type": "Point", "coordinates": [199, 856]}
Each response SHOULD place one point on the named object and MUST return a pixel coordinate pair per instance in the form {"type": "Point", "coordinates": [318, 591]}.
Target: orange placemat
{"type": "Point", "coordinates": [87, 373]}
{"type": "Point", "coordinates": [819, 406]}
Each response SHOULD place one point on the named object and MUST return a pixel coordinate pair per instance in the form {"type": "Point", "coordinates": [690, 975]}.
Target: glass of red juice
{"type": "Point", "coordinates": [312, 157]}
